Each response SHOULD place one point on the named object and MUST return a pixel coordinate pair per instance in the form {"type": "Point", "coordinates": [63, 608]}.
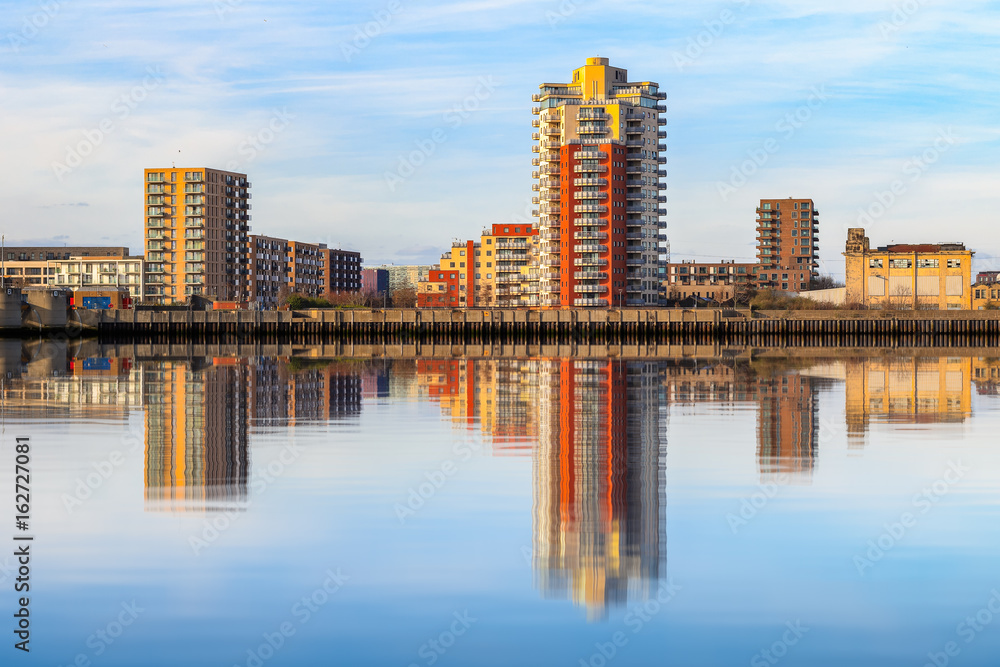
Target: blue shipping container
{"type": "Point", "coordinates": [97, 302]}
{"type": "Point", "coordinates": [100, 364]}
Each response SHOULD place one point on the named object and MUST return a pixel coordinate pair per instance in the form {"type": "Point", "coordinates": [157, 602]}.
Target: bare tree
{"type": "Point", "coordinates": [825, 282]}
{"type": "Point", "coordinates": [404, 298]}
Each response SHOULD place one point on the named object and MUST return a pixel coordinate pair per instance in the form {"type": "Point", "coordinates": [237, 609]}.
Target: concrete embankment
{"type": "Point", "coordinates": [653, 323]}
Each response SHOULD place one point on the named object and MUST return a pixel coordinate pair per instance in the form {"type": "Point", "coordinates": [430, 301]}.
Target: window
{"type": "Point", "coordinates": [461, 253]}
{"type": "Point", "coordinates": [453, 276]}
{"type": "Point", "coordinates": [954, 263]}
{"type": "Point", "coordinates": [766, 207]}
{"type": "Point", "coordinates": [489, 252]}
{"type": "Point", "coordinates": [452, 267]}
{"type": "Point", "coordinates": [874, 263]}
{"type": "Point", "coordinates": [927, 263]}
{"type": "Point", "coordinates": [489, 276]}
{"type": "Point", "coordinates": [900, 264]}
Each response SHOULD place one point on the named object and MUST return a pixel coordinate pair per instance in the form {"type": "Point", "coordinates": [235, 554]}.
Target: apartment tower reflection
{"type": "Point", "coordinates": [197, 447]}
{"type": "Point", "coordinates": [599, 532]}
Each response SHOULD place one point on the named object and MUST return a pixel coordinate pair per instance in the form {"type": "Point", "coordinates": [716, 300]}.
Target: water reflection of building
{"type": "Point", "coordinates": [41, 380]}
{"type": "Point", "coordinates": [786, 408]}
{"type": "Point", "coordinates": [599, 532]}
{"type": "Point", "coordinates": [786, 425]}
{"type": "Point", "coordinates": [592, 428]}
{"type": "Point", "coordinates": [986, 375]}
{"type": "Point", "coordinates": [197, 446]}
{"type": "Point", "coordinates": [913, 390]}
{"type": "Point", "coordinates": [498, 395]}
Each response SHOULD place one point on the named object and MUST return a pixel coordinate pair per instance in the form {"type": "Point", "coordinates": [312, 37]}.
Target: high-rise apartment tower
{"type": "Point", "coordinates": [599, 191]}
{"type": "Point", "coordinates": [197, 225]}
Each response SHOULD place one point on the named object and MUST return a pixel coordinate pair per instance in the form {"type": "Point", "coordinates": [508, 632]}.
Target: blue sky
{"type": "Point", "coordinates": [840, 101]}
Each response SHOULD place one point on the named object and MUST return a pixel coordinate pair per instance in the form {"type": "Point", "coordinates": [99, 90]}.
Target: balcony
{"type": "Point", "coordinates": [588, 208]}
{"type": "Point", "coordinates": [661, 160]}
{"type": "Point", "coordinates": [535, 122]}
{"type": "Point", "coordinates": [593, 129]}
{"type": "Point", "coordinates": [598, 169]}
{"type": "Point", "coordinates": [590, 275]}
{"type": "Point", "coordinates": [508, 268]}
{"type": "Point", "coordinates": [588, 114]}
{"type": "Point", "coordinates": [637, 262]}
{"type": "Point", "coordinates": [519, 256]}
{"type": "Point", "coordinates": [590, 289]}
{"type": "Point", "coordinates": [536, 110]}
{"type": "Point", "coordinates": [536, 136]}
{"type": "Point", "coordinates": [590, 222]}
{"type": "Point", "coordinates": [590, 155]}
{"type": "Point", "coordinates": [590, 195]}
{"type": "Point", "coordinates": [549, 144]}
{"type": "Point", "coordinates": [549, 236]}
{"type": "Point", "coordinates": [512, 244]}
{"type": "Point", "coordinates": [599, 236]}
{"type": "Point", "coordinates": [662, 134]}
{"type": "Point", "coordinates": [590, 182]}
{"type": "Point", "coordinates": [585, 303]}
{"type": "Point", "coordinates": [590, 248]}
{"type": "Point", "coordinates": [586, 261]}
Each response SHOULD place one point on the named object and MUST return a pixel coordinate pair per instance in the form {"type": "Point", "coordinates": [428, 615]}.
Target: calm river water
{"type": "Point", "coordinates": [503, 506]}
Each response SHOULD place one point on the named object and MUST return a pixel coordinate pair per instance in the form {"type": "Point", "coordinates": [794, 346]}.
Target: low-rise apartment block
{"type": "Point", "coordinates": [109, 272]}
{"type": "Point", "coordinates": [486, 273]}
{"type": "Point", "coordinates": [269, 269]}
{"type": "Point", "coordinates": [713, 281]}
{"type": "Point", "coordinates": [343, 270]}
{"type": "Point", "coordinates": [23, 266]}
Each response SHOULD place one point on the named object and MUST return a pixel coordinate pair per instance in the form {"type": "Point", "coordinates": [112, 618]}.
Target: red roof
{"type": "Point", "coordinates": [919, 247]}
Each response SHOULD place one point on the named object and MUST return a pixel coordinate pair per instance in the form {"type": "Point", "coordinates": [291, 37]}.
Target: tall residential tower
{"type": "Point", "coordinates": [599, 191]}
{"type": "Point", "coordinates": [197, 243]}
